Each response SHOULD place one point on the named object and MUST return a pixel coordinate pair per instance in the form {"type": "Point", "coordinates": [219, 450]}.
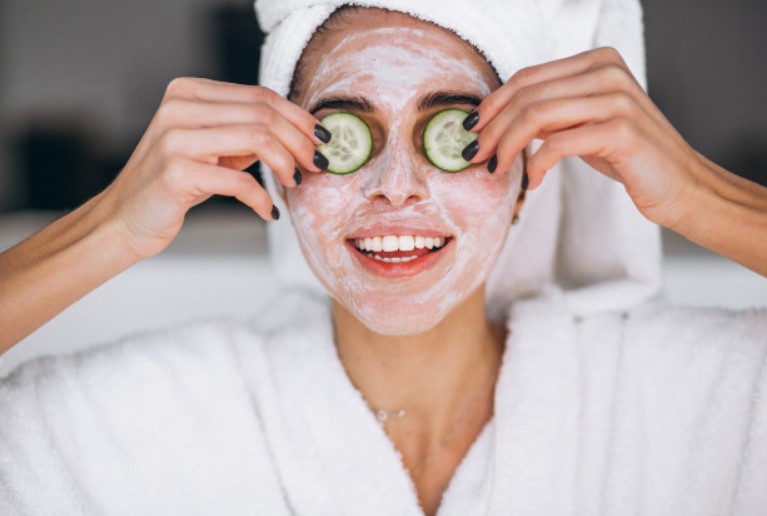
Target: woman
{"type": "Point", "coordinates": [642, 408]}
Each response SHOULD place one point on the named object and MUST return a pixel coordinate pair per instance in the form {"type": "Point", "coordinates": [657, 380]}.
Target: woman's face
{"type": "Point", "coordinates": [399, 193]}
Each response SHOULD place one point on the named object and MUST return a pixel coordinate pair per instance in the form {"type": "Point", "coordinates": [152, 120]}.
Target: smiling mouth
{"type": "Point", "coordinates": [399, 248]}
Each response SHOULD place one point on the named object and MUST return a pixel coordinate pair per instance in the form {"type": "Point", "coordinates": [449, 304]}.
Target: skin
{"type": "Point", "coordinates": [399, 186]}
{"type": "Point", "coordinates": [206, 132]}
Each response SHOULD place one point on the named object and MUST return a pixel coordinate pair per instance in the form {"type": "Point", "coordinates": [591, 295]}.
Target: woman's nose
{"type": "Point", "coordinates": [397, 178]}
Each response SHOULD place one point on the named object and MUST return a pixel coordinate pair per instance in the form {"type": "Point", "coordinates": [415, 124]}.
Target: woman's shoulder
{"type": "Point", "coordinates": [149, 413]}
{"type": "Point", "coordinates": [174, 347]}
{"type": "Point", "coordinates": [654, 320]}
{"type": "Point", "coordinates": [200, 344]}
{"type": "Point", "coordinates": [656, 348]}
{"type": "Point", "coordinates": [141, 384]}
{"type": "Point", "coordinates": [700, 325]}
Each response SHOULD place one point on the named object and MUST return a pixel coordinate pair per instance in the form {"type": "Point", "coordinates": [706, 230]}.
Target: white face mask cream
{"type": "Point", "coordinates": [400, 243]}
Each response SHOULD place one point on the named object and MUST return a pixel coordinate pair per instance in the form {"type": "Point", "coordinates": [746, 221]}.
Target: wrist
{"type": "Point", "coordinates": [718, 195]}
{"type": "Point", "coordinates": [104, 235]}
{"type": "Point", "coordinates": [727, 214]}
{"type": "Point", "coordinates": [693, 205]}
{"type": "Point", "coordinates": [50, 270]}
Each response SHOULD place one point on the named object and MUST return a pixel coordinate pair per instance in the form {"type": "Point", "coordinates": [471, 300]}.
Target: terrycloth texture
{"type": "Point", "coordinates": [660, 412]}
{"type": "Point", "coordinates": [579, 229]}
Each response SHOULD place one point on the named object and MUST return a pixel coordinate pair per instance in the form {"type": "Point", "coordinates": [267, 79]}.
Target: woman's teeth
{"type": "Point", "coordinates": [371, 246]}
{"type": "Point", "coordinates": [392, 243]}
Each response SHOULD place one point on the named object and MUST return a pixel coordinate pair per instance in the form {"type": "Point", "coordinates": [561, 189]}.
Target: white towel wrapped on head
{"type": "Point", "coordinates": [579, 228]}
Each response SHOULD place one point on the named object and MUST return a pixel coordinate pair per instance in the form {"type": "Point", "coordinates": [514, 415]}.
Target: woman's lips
{"type": "Point", "coordinates": [400, 261]}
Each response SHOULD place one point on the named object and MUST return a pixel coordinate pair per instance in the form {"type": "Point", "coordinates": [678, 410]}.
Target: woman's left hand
{"type": "Point", "coordinates": [590, 105]}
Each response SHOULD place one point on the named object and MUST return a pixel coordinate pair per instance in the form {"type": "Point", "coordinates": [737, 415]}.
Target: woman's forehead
{"type": "Point", "coordinates": [391, 50]}
{"type": "Point", "coordinates": [398, 59]}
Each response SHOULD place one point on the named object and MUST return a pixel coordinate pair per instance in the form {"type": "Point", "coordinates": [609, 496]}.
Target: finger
{"type": "Point", "coordinates": [494, 103]}
{"type": "Point", "coordinates": [201, 180]}
{"type": "Point", "coordinates": [237, 162]}
{"type": "Point", "coordinates": [606, 79]}
{"type": "Point", "coordinates": [192, 88]}
{"type": "Point", "coordinates": [546, 117]}
{"type": "Point", "coordinates": [606, 141]}
{"type": "Point", "coordinates": [181, 113]}
{"type": "Point", "coordinates": [209, 144]}
{"type": "Point", "coordinates": [602, 80]}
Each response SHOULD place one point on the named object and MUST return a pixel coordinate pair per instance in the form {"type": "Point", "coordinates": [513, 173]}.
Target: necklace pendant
{"type": "Point", "coordinates": [383, 416]}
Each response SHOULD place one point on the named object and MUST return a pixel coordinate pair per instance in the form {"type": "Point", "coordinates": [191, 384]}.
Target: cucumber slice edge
{"type": "Point", "coordinates": [330, 123]}
{"type": "Point", "coordinates": [458, 115]}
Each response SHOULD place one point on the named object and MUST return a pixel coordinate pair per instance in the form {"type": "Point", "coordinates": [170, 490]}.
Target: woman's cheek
{"type": "Point", "coordinates": [320, 209]}
{"type": "Point", "coordinates": [474, 198]}
{"type": "Point", "coordinates": [481, 205]}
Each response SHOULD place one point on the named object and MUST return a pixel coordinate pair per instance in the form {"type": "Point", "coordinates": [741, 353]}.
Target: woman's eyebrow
{"type": "Point", "coordinates": [447, 98]}
{"type": "Point", "coordinates": [360, 104]}
{"type": "Point", "coordinates": [363, 105]}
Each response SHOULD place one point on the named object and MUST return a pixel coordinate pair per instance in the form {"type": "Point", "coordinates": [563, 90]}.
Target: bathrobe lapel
{"type": "Point", "coordinates": [537, 417]}
{"type": "Point", "coordinates": [331, 452]}
{"type": "Point", "coordinates": [328, 448]}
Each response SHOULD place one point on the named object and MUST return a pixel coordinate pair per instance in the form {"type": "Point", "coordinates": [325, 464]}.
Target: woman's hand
{"type": "Point", "coordinates": [590, 105]}
{"type": "Point", "coordinates": [204, 134]}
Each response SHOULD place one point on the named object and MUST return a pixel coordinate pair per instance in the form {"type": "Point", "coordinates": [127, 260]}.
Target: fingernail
{"type": "Point", "coordinates": [525, 180]}
{"type": "Point", "coordinates": [471, 150]}
{"type": "Point", "coordinates": [297, 177]}
{"type": "Point", "coordinates": [322, 134]}
{"type": "Point", "coordinates": [492, 164]}
{"type": "Point", "coordinates": [320, 161]}
{"type": "Point", "coordinates": [275, 213]}
{"type": "Point", "coordinates": [471, 120]}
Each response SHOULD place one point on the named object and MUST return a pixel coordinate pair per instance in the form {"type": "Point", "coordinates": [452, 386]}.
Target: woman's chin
{"type": "Point", "coordinates": [396, 329]}
{"type": "Point", "coordinates": [402, 321]}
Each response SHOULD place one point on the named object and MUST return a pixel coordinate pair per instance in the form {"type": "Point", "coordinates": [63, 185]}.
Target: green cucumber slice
{"type": "Point", "coordinates": [444, 138]}
{"type": "Point", "coordinates": [351, 144]}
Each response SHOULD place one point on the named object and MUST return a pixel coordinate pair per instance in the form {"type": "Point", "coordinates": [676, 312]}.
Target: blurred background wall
{"type": "Point", "coordinates": [79, 81]}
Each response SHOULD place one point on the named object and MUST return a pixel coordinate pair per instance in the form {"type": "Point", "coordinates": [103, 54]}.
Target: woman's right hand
{"type": "Point", "coordinates": [204, 134]}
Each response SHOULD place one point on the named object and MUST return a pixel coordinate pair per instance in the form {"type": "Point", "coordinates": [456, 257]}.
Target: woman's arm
{"type": "Point", "coordinates": [56, 266]}
{"type": "Point", "coordinates": [589, 105]}
{"type": "Point", "coordinates": [728, 215]}
{"type": "Point", "coordinates": [204, 134]}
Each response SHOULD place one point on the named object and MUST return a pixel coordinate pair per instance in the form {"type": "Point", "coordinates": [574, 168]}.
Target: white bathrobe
{"type": "Point", "coordinates": [654, 411]}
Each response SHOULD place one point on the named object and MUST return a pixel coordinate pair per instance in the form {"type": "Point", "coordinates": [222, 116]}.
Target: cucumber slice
{"type": "Point", "coordinates": [351, 145]}
{"type": "Point", "coordinates": [444, 138]}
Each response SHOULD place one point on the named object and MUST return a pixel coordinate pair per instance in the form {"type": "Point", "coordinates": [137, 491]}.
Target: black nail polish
{"type": "Point", "coordinates": [320, 161]}
{"type": "Point", "coordinates": [525, 180]}
{"type": "Point", "coordinates": [297, 177]}
{"type": "Point", "coordinates": [471, 150]}
{"type": "Point", "coordinates": [492, 164]}
{"type": "Point", "coordinates": [275, 212]}
{"type": "Point", "coordinates": [471, 120]}
{"type": "Point", "coordinates": [322, 133]}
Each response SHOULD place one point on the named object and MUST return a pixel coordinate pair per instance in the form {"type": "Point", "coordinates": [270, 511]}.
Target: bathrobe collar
{"type": "Point", "coordinates": [335, 458]}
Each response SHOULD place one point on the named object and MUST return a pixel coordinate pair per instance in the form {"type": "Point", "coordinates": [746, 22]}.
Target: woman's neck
{"type": "Point", "coordinates": [431, 375]}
